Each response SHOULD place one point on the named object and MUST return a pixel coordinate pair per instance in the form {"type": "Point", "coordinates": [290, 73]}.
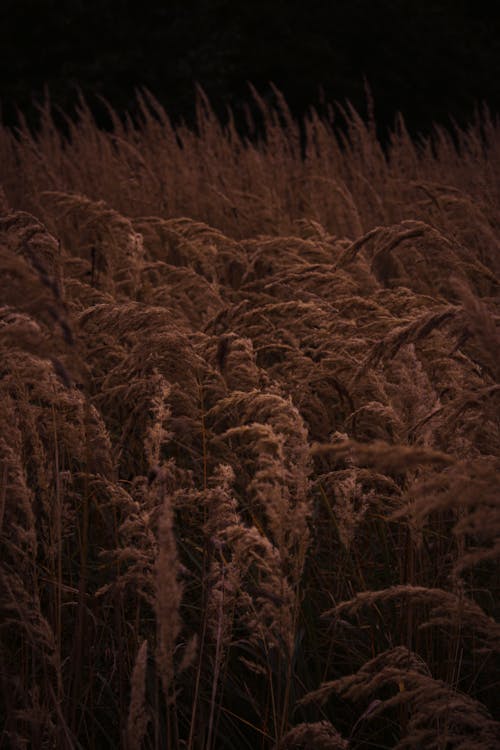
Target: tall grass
{"type": "Point", "coordinates": [249, 435]}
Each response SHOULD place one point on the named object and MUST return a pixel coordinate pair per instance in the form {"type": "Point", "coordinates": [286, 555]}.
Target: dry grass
{"type": "Point", "coordinates": [249, 436]}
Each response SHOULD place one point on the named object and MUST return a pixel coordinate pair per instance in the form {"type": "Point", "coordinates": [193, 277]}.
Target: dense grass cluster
{"type": "Point", "coordinates": [249, 436]}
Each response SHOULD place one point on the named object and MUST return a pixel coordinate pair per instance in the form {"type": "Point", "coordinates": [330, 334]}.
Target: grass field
{"type": "Point", "coordinates": [249, 435]}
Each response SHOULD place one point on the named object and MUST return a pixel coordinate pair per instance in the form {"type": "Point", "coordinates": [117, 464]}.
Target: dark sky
{"type": "Point", "coordinates": [429, 60]}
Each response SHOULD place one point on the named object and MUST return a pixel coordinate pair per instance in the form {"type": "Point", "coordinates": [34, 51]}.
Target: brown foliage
{"type": "Point", "coordinates": [244, 386]}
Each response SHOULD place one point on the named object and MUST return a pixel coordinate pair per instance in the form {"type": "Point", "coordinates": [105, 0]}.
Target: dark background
{"type": "Point", "coordinates": [431, 60]}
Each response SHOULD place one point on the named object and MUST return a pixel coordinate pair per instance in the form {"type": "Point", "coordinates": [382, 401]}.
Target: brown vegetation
{"type": "Point", "coordinates": [249, 436]}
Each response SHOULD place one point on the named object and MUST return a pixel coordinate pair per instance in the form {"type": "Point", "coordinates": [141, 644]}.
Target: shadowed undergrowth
{"type": "Point", "coordinates": [249, 436]}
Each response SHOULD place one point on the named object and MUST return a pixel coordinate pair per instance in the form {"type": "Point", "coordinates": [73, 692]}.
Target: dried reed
{"type": "Point", "coordinates": [249, 434]}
